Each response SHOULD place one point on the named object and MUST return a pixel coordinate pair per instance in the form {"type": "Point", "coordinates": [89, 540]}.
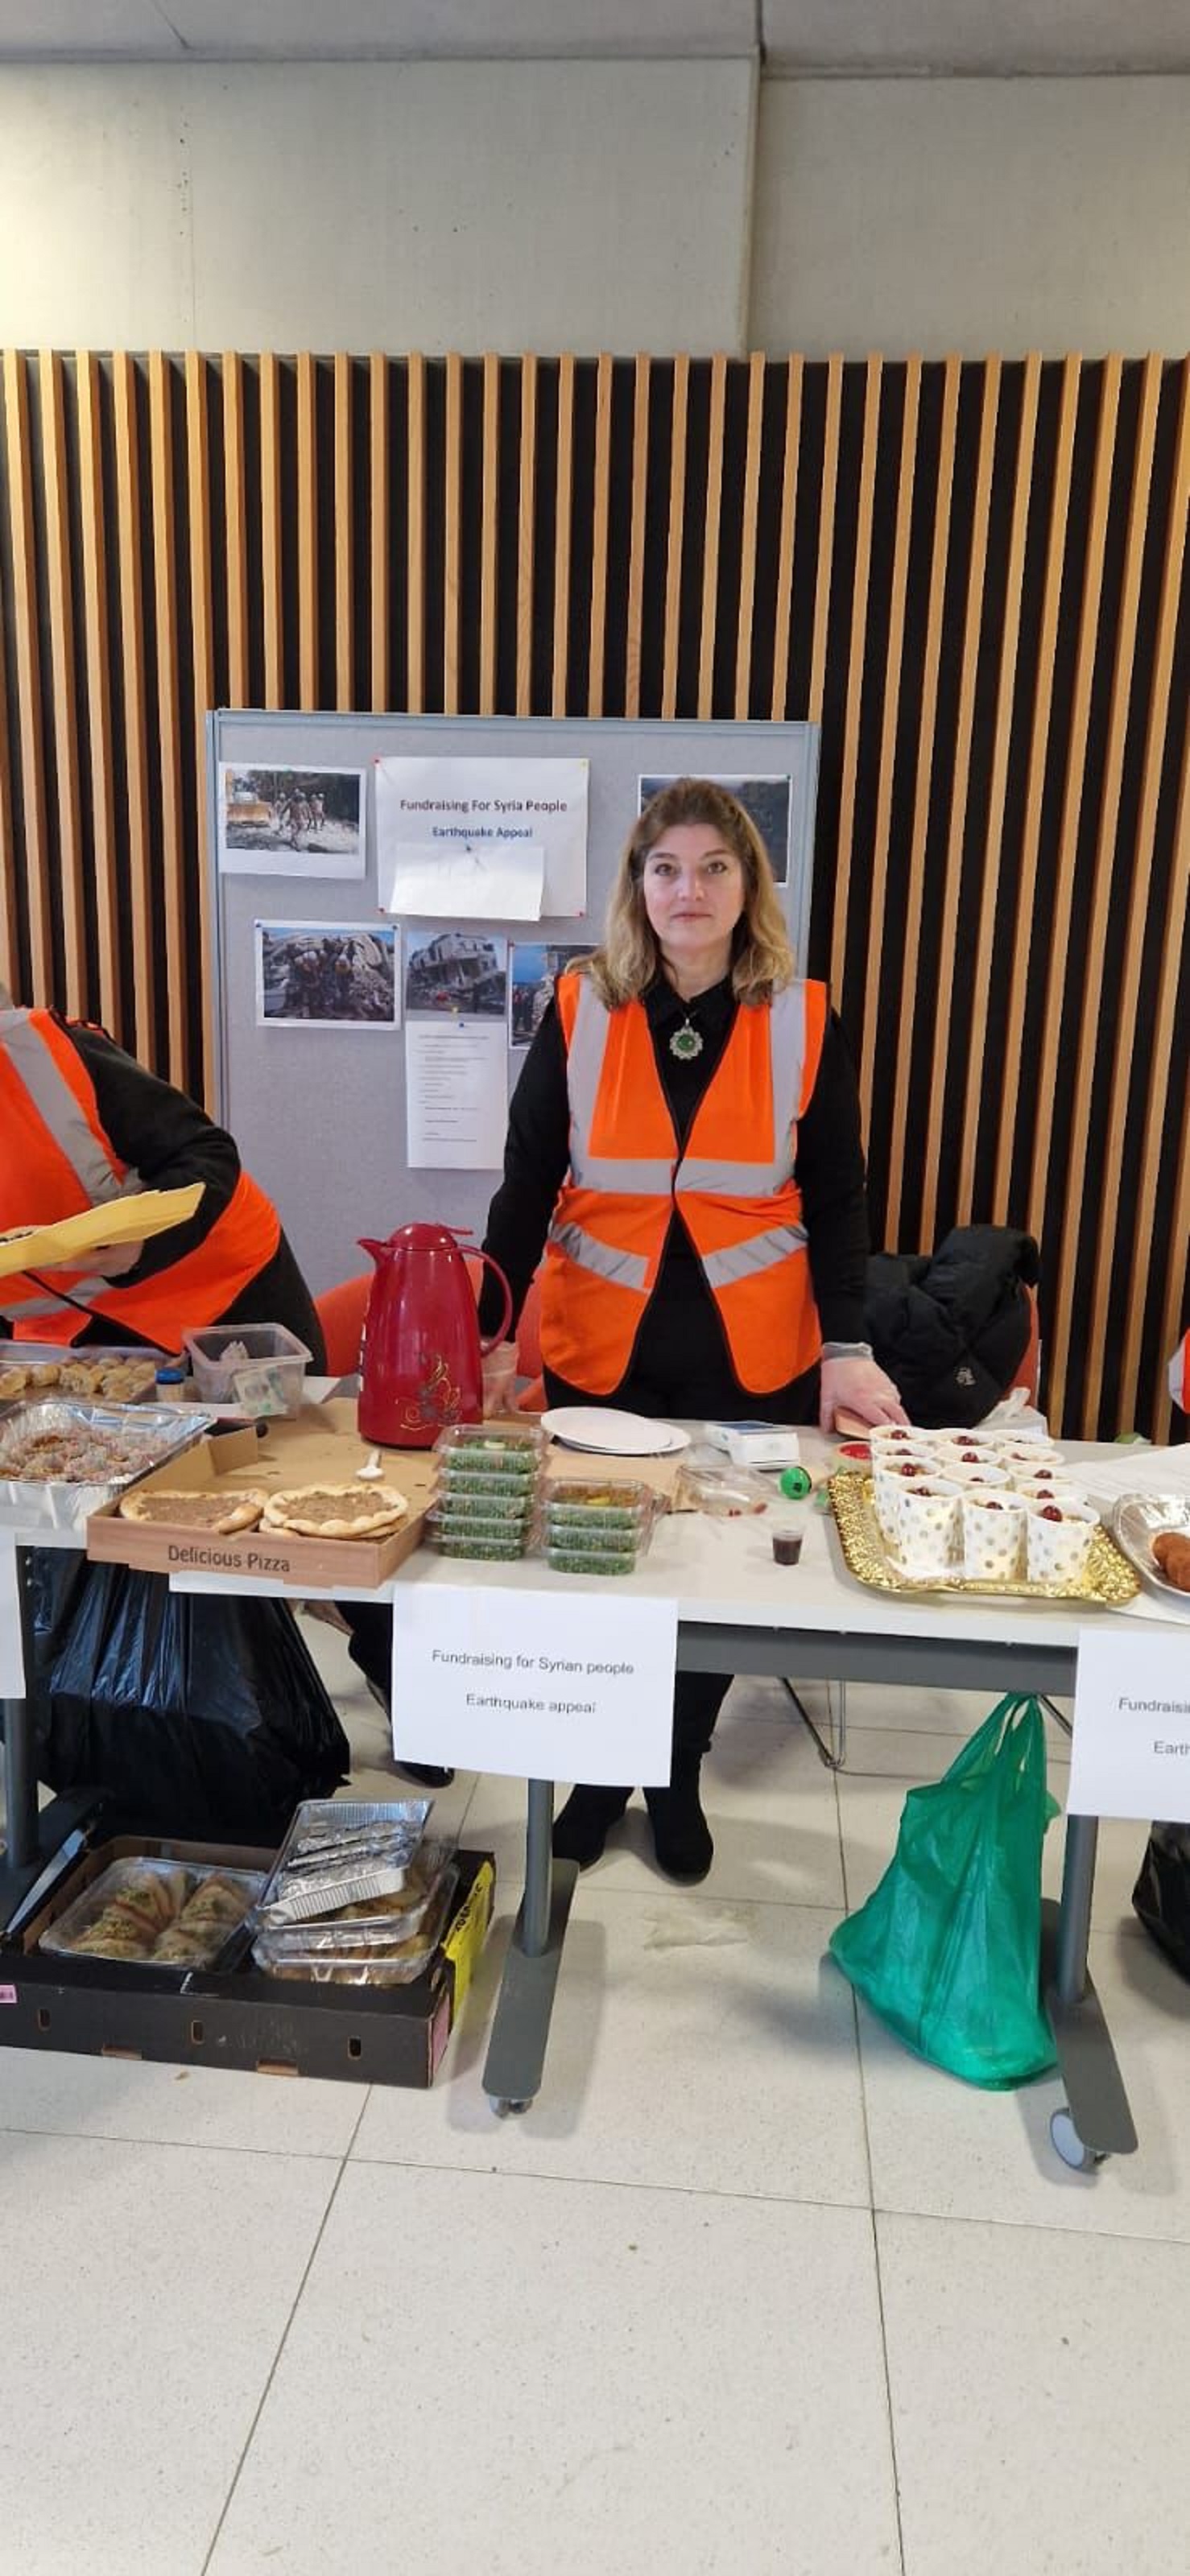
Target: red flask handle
{"type": "Point", "coordinates": [506, 1318]}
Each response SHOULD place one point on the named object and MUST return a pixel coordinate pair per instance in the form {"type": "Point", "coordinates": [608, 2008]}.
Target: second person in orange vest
{"type": "Point", "coordinates": [684, 1143]}
{"type": "Point", "coordinates": [82, 1124]}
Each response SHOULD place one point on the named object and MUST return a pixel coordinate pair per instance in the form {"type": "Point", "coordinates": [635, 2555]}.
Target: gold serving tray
{"type": "Point", "coordinates": [1107, 1578]}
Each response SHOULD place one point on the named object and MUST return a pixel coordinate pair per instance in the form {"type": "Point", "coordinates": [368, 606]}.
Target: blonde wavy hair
{"type": "Point", "coordinates": [630, 959]}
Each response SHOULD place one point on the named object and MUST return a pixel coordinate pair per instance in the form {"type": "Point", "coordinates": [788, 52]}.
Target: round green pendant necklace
{"type": "Point", "coordinates": [686, 1042]}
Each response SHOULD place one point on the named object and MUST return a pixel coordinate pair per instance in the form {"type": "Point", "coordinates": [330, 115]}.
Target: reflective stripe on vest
{"type": "Point", "coordinates": [626, 1269]}
{"type": "Point", "coordinates": [57, 1104]}
{"type": "Point", "coordinates": [761, 1252]}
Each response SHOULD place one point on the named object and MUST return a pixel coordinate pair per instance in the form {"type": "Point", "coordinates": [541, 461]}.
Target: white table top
{"type": "Point", "coordinates": [721, 1573]}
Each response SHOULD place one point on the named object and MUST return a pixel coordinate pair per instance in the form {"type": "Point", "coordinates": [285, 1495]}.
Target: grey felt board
{"type": "Point", "coordinates": [319, 1113]}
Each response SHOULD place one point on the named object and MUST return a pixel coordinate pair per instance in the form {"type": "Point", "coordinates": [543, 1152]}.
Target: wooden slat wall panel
{"type": "Point", "coordinates": [785, 537]}
{"type": "Point", "coordinates": [972, 573]}
{"type": "Point", "coordinates": [99, 637]}
{"type": "Point", "coordinates": [1038, 746]}
{"type": "Point", "coordinates": [452, 548]}
{"type": "Point", "coordinates": [1092, 1035]}
{"type": "Point", "coordinates": [526, 553]}
{"type": "Point", "coordinates": [380, 516]}
{"type": "Point", "coordinates": [416, 573]}
{"type": "Point", "coordinates": [1060, 889]}
{"type": "Point", "coordinates": [490, 539]}
{"type": "Point", "coordinates": [965, 723]}
{"type": "Point", "coordinates": [39, 899]}
{"type": "Point", "coordinates": [675, 533]}
{"type": "Point", "coordinates": [1172, 945]}
{"type": "Point", "coordinates": [344, 540]}
{"type": "Point", "coordinates": [563, 530]}
{"type": "Point", "coordinates": [977, 1086]}
{"type": "Point", "coordinates": [202, 671]}
{"type": "Point", "coordinates": [141, 877]}
{"type": "Point", "coordinates": [60, 591]}
{"type": "Point", "coordinates": [855, 664]}
{"type": "Point", "coordinates": [600, 513]}
{"type": "Point", "coordinates": [896, 639]}
{"type": "Point", "coordinates": [270, 531]}
{"type": "Point", "coordinates": [165, 584]}
{"type": "Point", "coordinates": [236, 526]}
{"type": "Point", "coordinates": [923, 792]}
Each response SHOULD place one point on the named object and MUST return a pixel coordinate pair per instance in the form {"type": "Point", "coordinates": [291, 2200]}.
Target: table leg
{"type": "Point", "coordinates": [520, 2030]}
{"type": "Point", "coordinates": [1098, 2121]}
{"type": "Point", "coordinates": [20, 1766]}
{"type": "Point", "coordinates": [33, 1838]}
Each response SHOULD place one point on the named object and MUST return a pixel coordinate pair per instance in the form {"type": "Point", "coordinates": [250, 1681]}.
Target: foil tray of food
{"type": "Point", "coordinates": [60, 1460]}
{"type": "Point", "coordinates": [1154, 1532]}
{"type": "Point", "coordinates": [341, 1852]}
{"type": "Point", "coordinates": [156, 1914]}
{"type": "Point", "coordinates": [125, 1373]}
{"type": "Point", "coordinates": [1105, 1576]}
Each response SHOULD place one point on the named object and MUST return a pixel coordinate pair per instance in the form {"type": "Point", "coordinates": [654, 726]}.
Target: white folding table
{"type": "Point", "coordinates": [739, 1612]}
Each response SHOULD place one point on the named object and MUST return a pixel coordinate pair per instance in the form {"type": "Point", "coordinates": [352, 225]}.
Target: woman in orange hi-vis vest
{"type": "Point", "coordinates": [81, 1123]}
{"type": "Point", "coordinates": [684, 1144]}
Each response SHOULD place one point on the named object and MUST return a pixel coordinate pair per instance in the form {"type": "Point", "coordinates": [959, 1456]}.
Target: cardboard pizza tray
{"type": "Point", "coordinates": [319, 1445]}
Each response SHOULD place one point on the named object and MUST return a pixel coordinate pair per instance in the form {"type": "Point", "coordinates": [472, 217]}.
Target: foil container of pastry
{"type": "Point", "coordinates": [337, 1854]}
{"type": "Point", "coordinates": [102, 1449]}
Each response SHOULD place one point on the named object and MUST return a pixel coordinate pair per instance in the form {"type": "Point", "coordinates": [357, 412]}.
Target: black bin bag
{"type": "Point", "coordinates": [1161, 1896]}
{"type": "Point", "coordinates": [199, 1715]}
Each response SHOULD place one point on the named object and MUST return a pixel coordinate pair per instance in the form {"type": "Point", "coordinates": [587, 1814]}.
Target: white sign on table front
{"type": "Point", "coordinates": [1131, 1749]}
{"type": "Point", "coordinates": [539, 1685]}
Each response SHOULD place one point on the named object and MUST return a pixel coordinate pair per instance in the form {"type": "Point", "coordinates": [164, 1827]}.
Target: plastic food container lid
{"type": "Point", "coordinates": [597, 1539]}
{"type": "Point", "coordinates": [508, 1446]}
{"type": "Point", "coordinates": [595, 1501]}
{"type": "Point", "coordinates": [148, 1901]}
{"type": "Point", "coordinates": [505, 1544]}
{"type": "Point", "coordinates": [566, 1559]}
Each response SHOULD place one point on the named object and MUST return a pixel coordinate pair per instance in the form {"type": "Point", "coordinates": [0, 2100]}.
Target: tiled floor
{"type": "Point", "coordinates": [748, 2292]}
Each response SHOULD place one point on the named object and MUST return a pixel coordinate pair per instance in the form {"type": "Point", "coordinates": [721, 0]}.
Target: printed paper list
{"type": "Point", "coordinates": [456, 1083]}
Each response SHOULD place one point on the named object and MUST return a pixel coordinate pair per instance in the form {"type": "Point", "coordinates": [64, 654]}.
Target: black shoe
{"type": "Point", "coordinates": [681, 1834]}
{"type": "Point", "coordinates": [581, 1830]}
{"type": "Point", "coordinates": [428, 1775]}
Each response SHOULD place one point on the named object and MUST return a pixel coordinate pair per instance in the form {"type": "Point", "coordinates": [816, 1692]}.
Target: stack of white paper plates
{"type": "Point", "coordinates": [608, 1434]}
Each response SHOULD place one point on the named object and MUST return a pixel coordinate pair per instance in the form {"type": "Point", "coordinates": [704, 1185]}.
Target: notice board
{"type": "Point", "coordinates": [319, 1111]}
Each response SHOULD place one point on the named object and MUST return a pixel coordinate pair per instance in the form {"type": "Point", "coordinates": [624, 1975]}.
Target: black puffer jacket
{"type": "Point", "coordinates": [952, 1328]}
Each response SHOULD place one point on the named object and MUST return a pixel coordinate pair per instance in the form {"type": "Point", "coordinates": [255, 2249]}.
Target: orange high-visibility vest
{"type": "Point", "coordinates": [732, 1185]}
{"type": "Point", "coordinates": [1179, 1375]}
{"type": "Point", "coordinates": [56, 1161]}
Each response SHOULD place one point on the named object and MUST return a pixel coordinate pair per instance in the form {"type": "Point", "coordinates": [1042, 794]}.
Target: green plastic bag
{"type": "Point", "coordinates": [947, 1948]}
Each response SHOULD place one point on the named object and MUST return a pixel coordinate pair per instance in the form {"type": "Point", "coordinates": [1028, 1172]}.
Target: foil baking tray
{"type": "Point", "coordinates": [60, 1355]}
{"type": "Point", "coordinates": [1136, 1521]}
{"type": "Point", "coordinates": [341, 1852]}
{"type": "Point", "coordinates": [149, 1435]}
{"type": "Point", "coordinates": [1107, 1578]}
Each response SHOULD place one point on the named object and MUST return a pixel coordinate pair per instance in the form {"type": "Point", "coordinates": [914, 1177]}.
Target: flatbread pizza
{"type": "Point", "coordinates": [336, 1511]}
{"type": "Point", "coordinates": [223, 1514]}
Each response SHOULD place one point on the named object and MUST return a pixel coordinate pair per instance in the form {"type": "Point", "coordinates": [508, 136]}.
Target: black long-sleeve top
{"type": "Point", "coordinates": [680, 1362]}
{"type": "Point", "coordinates": [169, 1141]}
